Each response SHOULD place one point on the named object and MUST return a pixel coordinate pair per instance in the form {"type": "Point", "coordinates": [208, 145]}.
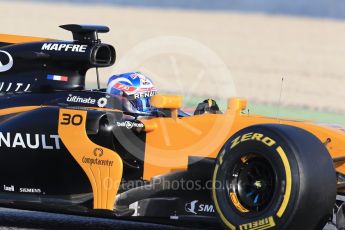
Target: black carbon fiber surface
{"type": "Point", "coordinates": [18, 219]}
{"type": "Point", "coordinates": [13, 219]}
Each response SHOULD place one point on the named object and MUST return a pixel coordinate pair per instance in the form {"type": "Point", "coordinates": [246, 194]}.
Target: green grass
{"type": "Point", "coordinates": [284, 112]}
{"type": "Point", "coordinates": [297, 113]}
{"type": "Point", "coordinates": [271, 111]}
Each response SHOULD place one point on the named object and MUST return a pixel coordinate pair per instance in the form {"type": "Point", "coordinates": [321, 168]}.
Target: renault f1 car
{"type": "Point", "coordinates": [67, 149]}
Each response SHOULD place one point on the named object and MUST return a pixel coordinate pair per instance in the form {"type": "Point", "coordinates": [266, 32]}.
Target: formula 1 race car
{"type": "Point", "coordinates": [71, 150]}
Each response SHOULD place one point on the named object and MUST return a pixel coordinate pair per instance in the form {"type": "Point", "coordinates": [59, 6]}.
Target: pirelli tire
{"type": "Point", "coordinates": [274, 177]}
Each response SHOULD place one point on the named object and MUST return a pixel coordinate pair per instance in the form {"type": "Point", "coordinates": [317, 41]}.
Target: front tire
{"type": "Point", "coordinates": [274, 177]}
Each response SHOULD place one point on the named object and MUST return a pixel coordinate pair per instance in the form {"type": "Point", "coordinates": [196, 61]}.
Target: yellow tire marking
{"type": "Point", "coordinates": [262, 224]}
{"type": "Point", "coordinates": [288, 187]}
{"type": "Point", "coordinates": [237, 203]}
{"type": "Point", "coordinates": [225, 221]}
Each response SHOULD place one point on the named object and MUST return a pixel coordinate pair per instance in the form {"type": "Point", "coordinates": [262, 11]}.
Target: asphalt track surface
{"type": "Point", "coordinates": [19, 219]}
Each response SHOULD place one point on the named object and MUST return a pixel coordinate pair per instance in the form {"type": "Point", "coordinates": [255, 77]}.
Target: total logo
{"type": "Point", "coordinates": [102, 102]}
{"type": "Point", "coordinates": [195, 207]}
{"type": "Point", "coordinates": [6, 61]}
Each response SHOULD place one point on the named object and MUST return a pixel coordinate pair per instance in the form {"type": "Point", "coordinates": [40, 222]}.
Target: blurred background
{"type": "Point", "coordinates": [218, 48]}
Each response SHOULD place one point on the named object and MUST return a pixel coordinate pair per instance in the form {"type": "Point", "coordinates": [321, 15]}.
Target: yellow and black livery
{"type": "Point", "coordinates": [70, 149]}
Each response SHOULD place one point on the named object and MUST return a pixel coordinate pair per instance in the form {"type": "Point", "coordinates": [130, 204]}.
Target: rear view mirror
{"type": "Point", "coordinates": [166, 102]}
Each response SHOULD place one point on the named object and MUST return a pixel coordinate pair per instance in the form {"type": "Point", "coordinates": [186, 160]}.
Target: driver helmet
{"type": "Point", "coordinates": [137, 87]}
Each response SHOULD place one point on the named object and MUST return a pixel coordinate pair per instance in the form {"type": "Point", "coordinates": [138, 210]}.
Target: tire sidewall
{"type": "Point", "coordinates": [230, 154]}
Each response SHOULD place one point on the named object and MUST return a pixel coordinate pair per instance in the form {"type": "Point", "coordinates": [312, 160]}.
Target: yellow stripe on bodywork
{"type": "Point", "coordinates": [18, 109]}
{"type": "Point", "coordinates": [105, 175]}
{"type": "Point", "coordinates": [15, 39]}
{"type": "Point", "coordinates": [288, 187]}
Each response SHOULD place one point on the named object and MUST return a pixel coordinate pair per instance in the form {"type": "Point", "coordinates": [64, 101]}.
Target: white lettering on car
{"type": "Point", "coordinates": [64, 47]}
{"type": "Point", "coordinates": [31, 141]}
{"type": "Point", "coordinates": [14, 87]}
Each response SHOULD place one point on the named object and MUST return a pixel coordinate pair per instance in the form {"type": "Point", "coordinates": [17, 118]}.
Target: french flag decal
{"type": "Point", "coordinates": [57, 78]}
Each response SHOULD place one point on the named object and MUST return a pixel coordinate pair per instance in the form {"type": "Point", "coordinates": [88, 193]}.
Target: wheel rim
{"type": "Point", "coordinates": [253, 182]}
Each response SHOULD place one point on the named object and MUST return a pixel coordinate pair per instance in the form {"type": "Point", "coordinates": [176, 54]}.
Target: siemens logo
{"type": "Point", "coordinates": [30, 190]}
{"type": "Point", "coordinates": [31, 141]}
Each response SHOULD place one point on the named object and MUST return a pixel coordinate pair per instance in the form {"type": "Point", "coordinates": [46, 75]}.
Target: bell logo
{"type": "Point", "coordinates": [6, 61]}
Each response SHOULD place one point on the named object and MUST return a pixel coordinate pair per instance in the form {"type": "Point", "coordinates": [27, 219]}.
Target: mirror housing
{"type": "Point", "coordinates": [174, 103]}
{"type": "Point", "coordinates": [237, 104]}
{"type": "Point", "coordinates": [166, 101]}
